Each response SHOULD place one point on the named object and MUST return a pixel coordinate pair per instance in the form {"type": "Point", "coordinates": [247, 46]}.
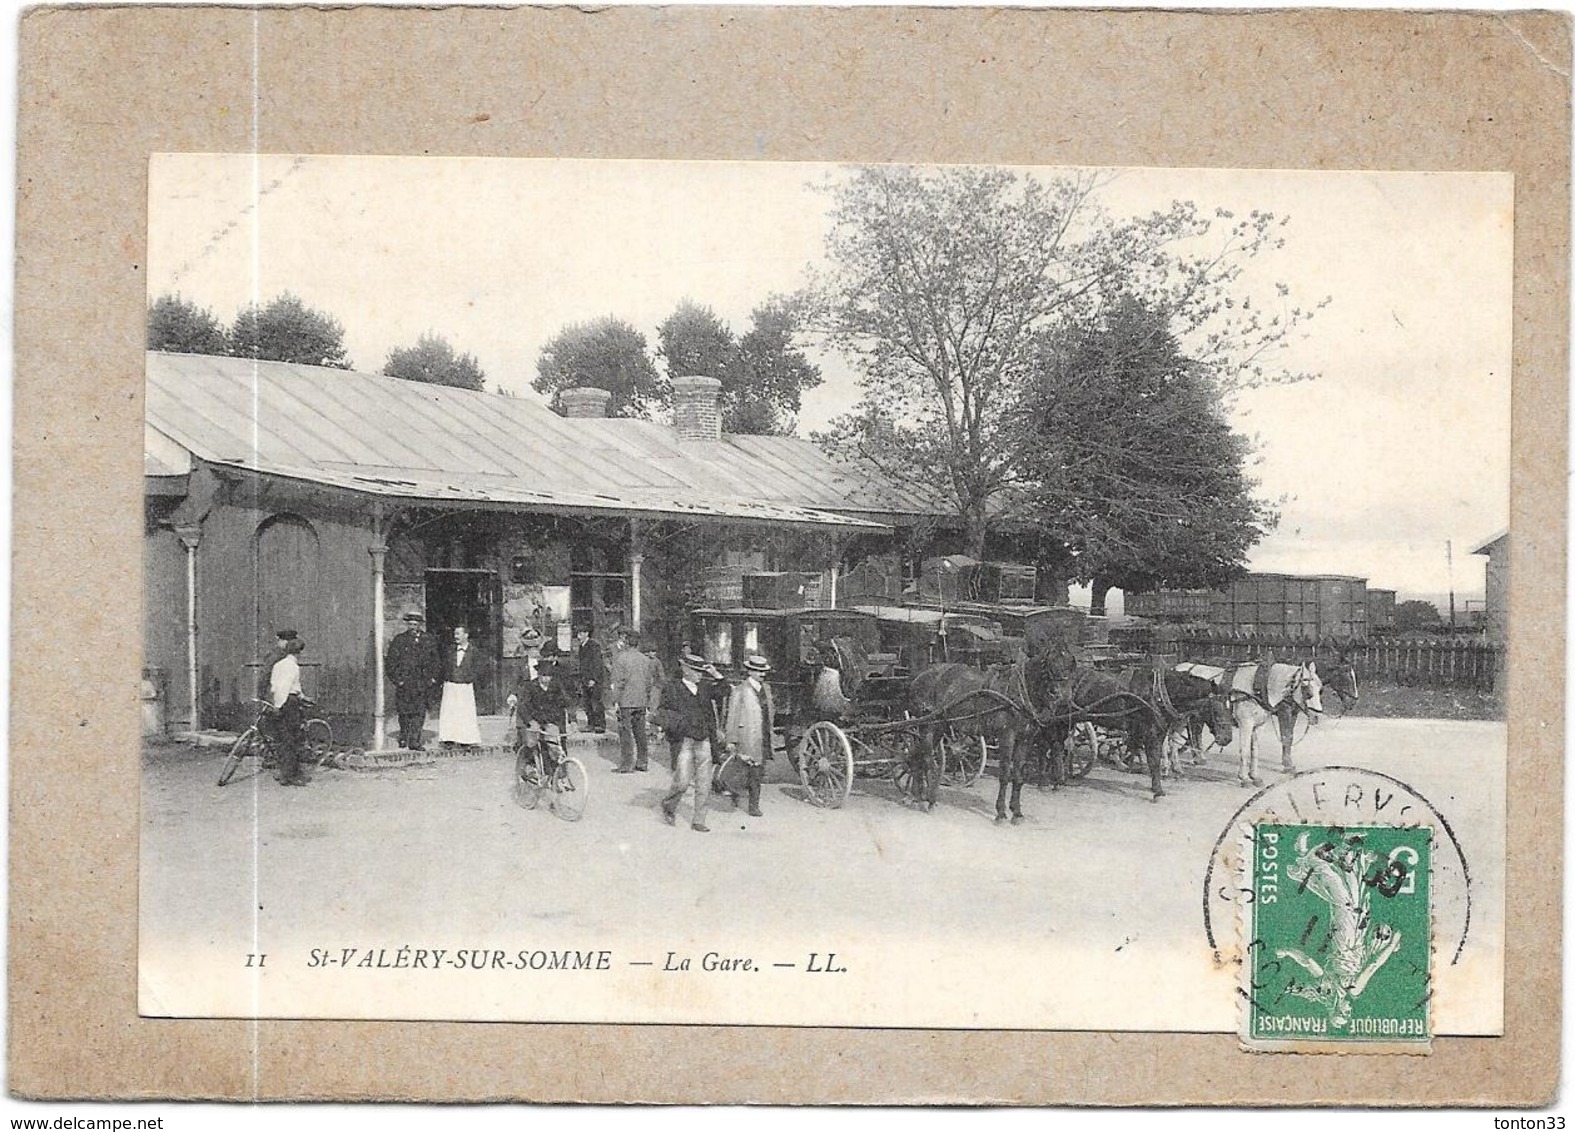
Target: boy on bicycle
{"type": "Point", "coordinates": [541, 709]}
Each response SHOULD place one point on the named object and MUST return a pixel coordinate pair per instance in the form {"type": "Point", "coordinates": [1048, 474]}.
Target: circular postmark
{"type": "Point", "coordinates": [1337, 798]}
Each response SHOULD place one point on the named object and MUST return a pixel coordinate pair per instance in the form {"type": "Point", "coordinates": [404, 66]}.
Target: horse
{"type": "Point", "coordinates": [1003, 703]}
{"type": "Point", "coordinates": [1180, 702]}
{"type": "Point", "coordinates": [1259, 693]}
{"type": "Point", "coordinates": [1144, 704]}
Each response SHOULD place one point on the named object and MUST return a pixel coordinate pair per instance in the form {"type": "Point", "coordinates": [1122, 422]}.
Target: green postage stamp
{"type": "Point", "coordinates": [1339, 952]}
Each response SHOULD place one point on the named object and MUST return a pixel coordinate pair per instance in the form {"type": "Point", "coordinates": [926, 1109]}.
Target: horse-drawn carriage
{"type": "Point", "coordinates": [841, 694]}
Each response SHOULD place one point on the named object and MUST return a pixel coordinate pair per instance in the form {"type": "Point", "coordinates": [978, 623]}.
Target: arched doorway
{"type": "Point", "coordinates": [288, 575]}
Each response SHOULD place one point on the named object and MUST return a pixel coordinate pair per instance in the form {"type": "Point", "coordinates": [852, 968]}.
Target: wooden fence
{"type": "Point", "coordinates": [1453, 662]}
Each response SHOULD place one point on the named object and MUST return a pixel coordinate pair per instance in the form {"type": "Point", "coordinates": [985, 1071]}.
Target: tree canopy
{"type": "Point", "coordinates": [606, 353]}
{"type": "Point", "coordinates": [1130, 462]}
{"type": "Point", "coordinates": [945, 285]}
{"type": "Point", "coordinates": [287, 330]}
{"type": "Point", "coordinates": [434, 361]}
{"type": "Point", "coordinates": [1417, 614]}
{"type": "Point", "coordinates": [763, 376]}
{"type": "Point", "coordinates": [182, 327]}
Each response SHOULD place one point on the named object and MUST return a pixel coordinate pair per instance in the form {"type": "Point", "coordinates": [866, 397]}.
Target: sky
{"type": "Point", "coordinates": [1397, 448]}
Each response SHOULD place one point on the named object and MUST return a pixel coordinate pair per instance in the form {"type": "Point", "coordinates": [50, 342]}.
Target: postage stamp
{"type": "Point", "coordinates": [1339, 950]}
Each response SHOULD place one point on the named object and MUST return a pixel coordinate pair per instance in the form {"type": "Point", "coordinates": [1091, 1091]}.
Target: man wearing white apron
{"type": "Point", "coordinates": [457, 715]}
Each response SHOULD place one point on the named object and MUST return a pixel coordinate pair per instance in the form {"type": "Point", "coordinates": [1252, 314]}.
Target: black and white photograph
{"type": "Point", "coordinates": [771, 593]}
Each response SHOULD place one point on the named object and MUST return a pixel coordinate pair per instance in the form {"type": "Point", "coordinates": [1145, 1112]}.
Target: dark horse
{"type": "Point", "coordinates": [1003, 703]}
{"type": "Point", "coordinates": [1143, 703]}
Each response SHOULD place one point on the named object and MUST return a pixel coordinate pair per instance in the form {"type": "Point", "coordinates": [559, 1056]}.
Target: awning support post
{"type": "Point", "coordinates": [379, 551]}
{"type": "Point", "coordinates": [636, 557]}
{"type": "Point", "coordinates": [189, 537]}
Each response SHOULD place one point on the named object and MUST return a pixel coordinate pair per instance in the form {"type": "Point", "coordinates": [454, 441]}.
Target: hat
{"type": "Point", "coordinates": [546, 664]}
{"type": "Point", "coordinates": [693, 660]}
{"type": "Point", "coordinates": [530, 635]}
{"type": "Point", "coordinates": [414, 615]}
{"type": "Point", "coordinates": [757, 663]}
{"type": "Point", "coordinates": [286, 634]}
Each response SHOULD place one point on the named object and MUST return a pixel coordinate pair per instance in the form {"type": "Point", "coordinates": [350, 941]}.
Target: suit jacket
{"type": "Point", "coordinates": [635, 680]}
{"type": "Point", "coordinates": [544, 705]}
{"type": "Point", "coordinates": [414, 666]}
{"type": "Point", "coordinates": [463, 673]}
{"type": "Point", "coordinates": [689, 715]}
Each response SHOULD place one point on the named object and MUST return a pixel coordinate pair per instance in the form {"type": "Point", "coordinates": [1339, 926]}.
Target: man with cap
{"type": "Point", "coordinates": [541, 710]}
{"type": "Point", "coordinates": [751, 721]}
{"type": "Point", "coordinates": [414, 665]}
{"type": "Point", "coordinates": [689, 718]}
{"type": "Point", "coordinates": [288, 720]}
{"type": "Point", "coordinates": [636, 689]}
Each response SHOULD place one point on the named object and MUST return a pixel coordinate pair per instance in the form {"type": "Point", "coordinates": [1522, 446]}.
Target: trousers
{"type": "Point", "coordinates": [693, 769]}
{"type": "Point", "coordinates": [632, 739]}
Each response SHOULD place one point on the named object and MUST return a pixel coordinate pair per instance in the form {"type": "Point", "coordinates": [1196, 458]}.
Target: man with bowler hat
{"type": "Point", "coordinates": [415, 667]}
{"type": "Point", "coordinates": [689, 717]}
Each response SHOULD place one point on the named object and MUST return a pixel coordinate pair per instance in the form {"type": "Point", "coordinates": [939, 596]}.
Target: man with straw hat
{"type": "Point", "coordinates": [751, 720]}
{"type": "Point", "coordinates": [689, 719]}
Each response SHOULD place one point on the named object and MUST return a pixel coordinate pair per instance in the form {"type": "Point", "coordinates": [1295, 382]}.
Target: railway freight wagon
{"type": "Point", "coordinates": [1284, 605]}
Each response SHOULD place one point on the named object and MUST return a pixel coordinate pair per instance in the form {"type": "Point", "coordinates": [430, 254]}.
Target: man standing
{"type": "Point", "coordinates": [289, 714]}
{"type": "Point", "coordinates": [415, 667]}
{"type": "Point", "coordinates": [688, 717]}
{"type": "Point", "coordinates": [593, 678]}
{"type": "Point", "coordinates": [636, 692]}
{"type": "Point", "coordinates": [457, 721]}
{"type": "Point", "coordinates": [751, 720]}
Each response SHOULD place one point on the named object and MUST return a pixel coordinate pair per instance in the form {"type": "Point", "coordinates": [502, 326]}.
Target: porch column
{"type": "Point", "coordinates": [636, 557]}
{"type": "Point", "coordinates": [189, 537]}
{"type": "Point", "coordinates": [378, 550]}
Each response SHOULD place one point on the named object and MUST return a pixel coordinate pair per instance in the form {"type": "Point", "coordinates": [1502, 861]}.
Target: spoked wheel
{"type": "Point", "coordinates": [527, 786]}
{"type": "Point", "coordinates": [319, 740]}
{"type": "Point", "coordinates": [1083, 747]}
{"type": "Point", "coordinates": [962, 759]}
{"type": "Point", "coordinates": [246, 744]}
{"type": "Point", "coordinates": [825, 764]}
{"type": "Point", "coordinates": [570, 789]}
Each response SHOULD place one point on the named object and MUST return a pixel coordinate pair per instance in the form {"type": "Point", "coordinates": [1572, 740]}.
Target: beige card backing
{"type": "Point", "coordinates": [102, 89]}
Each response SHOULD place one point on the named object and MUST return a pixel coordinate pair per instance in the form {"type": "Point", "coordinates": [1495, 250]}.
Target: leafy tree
{"type": "Point", "coordinates": [434, 361]}
{"type": "Point", "coordinates": [1131, 462]}
{"type": "Point", "coordinates": [763, 377]}
{"type": "Point", "coordinates": [606, 353]}
{"type": "Point", "coordinates": [1415, 615]}
{"type": "Point", "coordinates": [287, 330]}
{"type": "Point", "coordinates": [941, 283]}
{"type": "Point", "coordinates": [182, 327]}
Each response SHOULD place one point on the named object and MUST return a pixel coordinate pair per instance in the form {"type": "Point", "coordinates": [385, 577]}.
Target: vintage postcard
{"type": "Point", "coordinates": [584, 591]}
{"type": "Point", "coordinates": [927, 543]}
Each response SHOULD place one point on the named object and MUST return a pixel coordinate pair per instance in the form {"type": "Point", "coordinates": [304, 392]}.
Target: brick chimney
{"type": "Point", "coordinates": [695, 414]}
{"type": "Point", "coordinates": [584, 402]}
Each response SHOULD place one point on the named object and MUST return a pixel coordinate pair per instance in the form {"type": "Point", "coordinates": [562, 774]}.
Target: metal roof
{"type": "Point", "coordinates": [388, 437]}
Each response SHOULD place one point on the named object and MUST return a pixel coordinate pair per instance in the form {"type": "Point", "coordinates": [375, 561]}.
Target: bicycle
{"type": "Point", "coordinates": [561, 776]}
{"type": "Point", "coordinates": [257, 742]}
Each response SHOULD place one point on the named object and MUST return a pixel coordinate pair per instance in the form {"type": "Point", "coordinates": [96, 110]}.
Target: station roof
{"type": "Point", "coordinates": [387, 437]}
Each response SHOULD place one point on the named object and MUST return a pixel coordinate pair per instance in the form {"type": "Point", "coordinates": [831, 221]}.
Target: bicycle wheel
{"type": "Point", "coordinates": [570, 789]}
{"type": "Point", "coordinates": [244, 744]}
{"type": "Point", "coordinates": [319, 740]}
{"type": "Point", "coordinates": [528, 786]}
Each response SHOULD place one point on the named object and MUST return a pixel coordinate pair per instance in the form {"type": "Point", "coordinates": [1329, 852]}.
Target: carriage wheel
{"type": "Point", "coordinates": [962, 759]}
{"type": "Point", "coordinates": [825, 764]}
{"type": "Point", "coordinates": [1083, 746]}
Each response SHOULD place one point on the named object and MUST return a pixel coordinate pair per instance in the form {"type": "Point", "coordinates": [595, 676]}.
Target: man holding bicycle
{"type": "Point", "coordinates": [289, 708]}
{"type": "Point", "coordinates": [541, 710]}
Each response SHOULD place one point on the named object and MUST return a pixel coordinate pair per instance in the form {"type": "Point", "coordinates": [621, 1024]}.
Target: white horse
{"type": "Point", "coordinates": [1286, 690]}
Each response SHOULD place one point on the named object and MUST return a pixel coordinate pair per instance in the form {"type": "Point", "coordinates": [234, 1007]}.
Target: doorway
{"type": "Point", "coordinates": [473, 598]}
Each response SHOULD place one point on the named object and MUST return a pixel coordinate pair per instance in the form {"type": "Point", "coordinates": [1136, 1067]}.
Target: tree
{"type": "Point", "coordinates": [606, 353]}
{"type": "Point", "coordinates": [287, 330]}
{"type": "Point", "coordinates": [941, 283]}
{"type": "Point", "coordinates": [1417, 616]}
{"type": "Point", "coordinates": [182, 327]}
{"type": "Point", "coordinates": [1131, 462]}
{"type": "Point", "coordinates": [763, 377]}
{"type": "Point", "coordinates": [434, 361]}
